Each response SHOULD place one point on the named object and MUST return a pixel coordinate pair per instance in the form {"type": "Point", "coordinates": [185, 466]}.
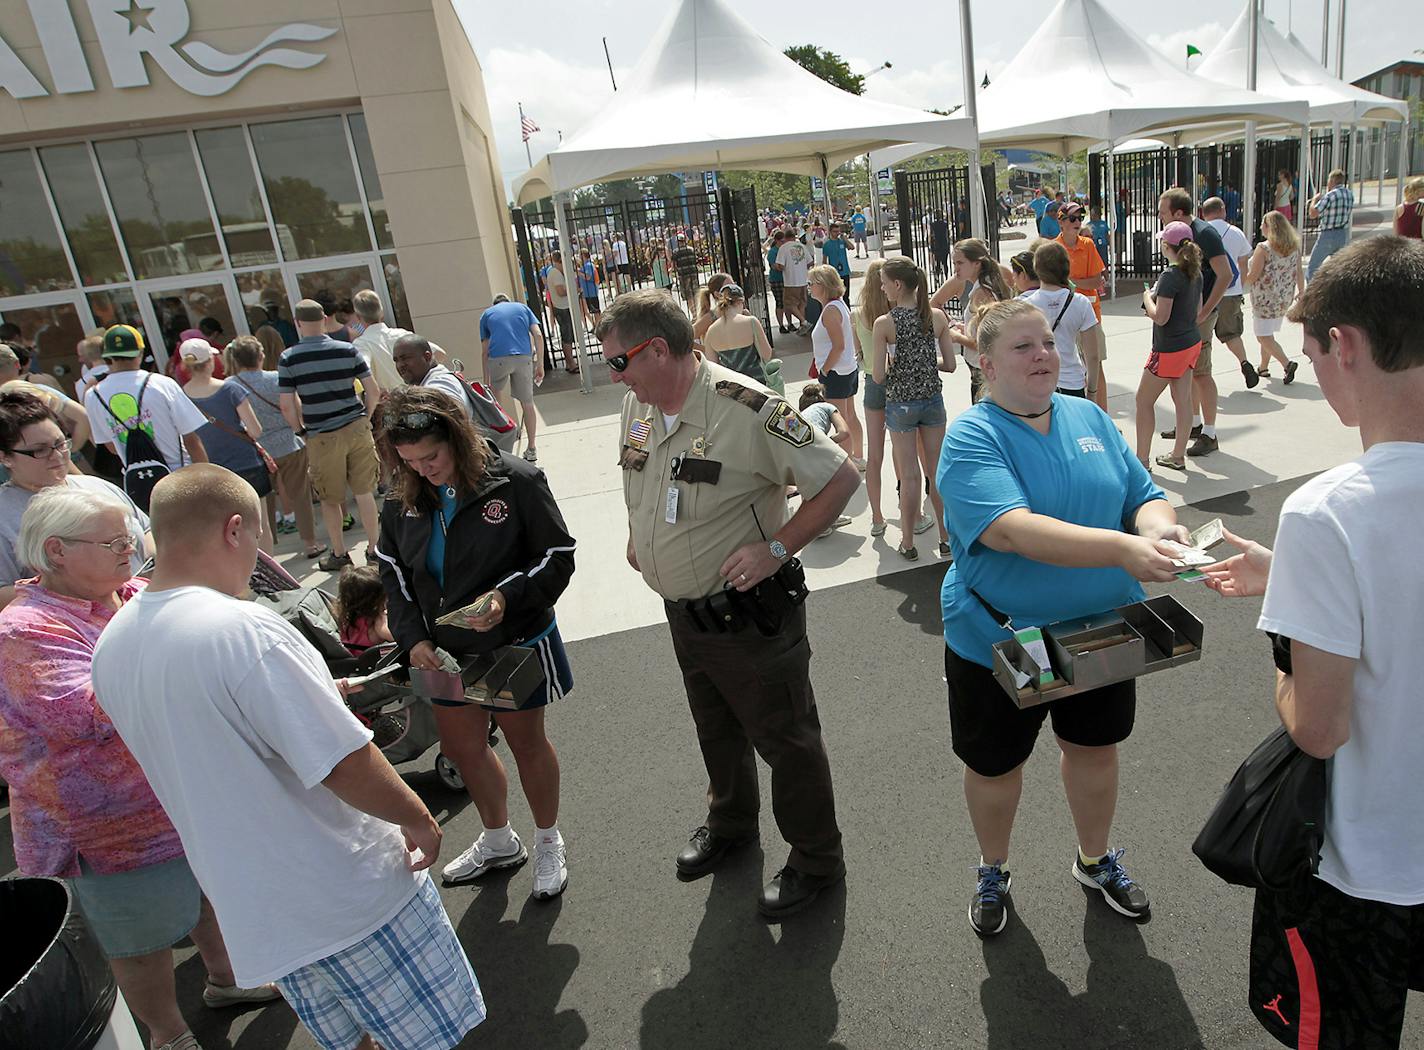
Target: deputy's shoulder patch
{"type": "Point", "coordinates": [786, 424]}
{"type": "Point", "coordinates": [743, 395]}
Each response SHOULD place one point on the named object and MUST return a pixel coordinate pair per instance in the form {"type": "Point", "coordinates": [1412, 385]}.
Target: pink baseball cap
{"type": "Point", "coordinates": [1174, 233]}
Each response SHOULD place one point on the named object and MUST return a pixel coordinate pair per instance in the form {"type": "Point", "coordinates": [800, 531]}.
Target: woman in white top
{"type": "Point", "coordinates": [836, 351]}
{"type": "Point", "coordinates": [1275, 278]}
{"type": "Point", "coordinates": [1071, 319]}
{"type": "Point", "coordinates": [736, 339]}
{"type": "Point", "coordinates": [978, 280]}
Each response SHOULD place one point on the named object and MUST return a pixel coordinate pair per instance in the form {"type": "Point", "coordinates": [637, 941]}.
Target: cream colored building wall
{"type": "Point", "coordinates": [410, 67]}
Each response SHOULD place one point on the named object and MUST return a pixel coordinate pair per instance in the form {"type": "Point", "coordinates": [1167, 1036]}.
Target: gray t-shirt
{"type": "Point", "coordinates": [277, 437]}
{"type": "Point", "coordinates": [225, 444]}
{"type": "Point", "coordinates": [14, 500]}
{"type": "Point", "coordinates": [1180, 331]}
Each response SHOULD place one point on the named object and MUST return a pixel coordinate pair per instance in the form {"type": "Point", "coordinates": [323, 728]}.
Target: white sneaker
{"type": "Point", "coordinates": [480, 860]}
{"type": "Point", "coordinates": [551, 870]}
{"type": "Point", "coordinates": [924, 524]}
{"type": "Point", "coordinates": [530, 456]}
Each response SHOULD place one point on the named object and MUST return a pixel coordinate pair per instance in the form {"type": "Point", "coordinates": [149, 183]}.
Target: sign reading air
{"type": "Point", "coordinates": [128, 30]}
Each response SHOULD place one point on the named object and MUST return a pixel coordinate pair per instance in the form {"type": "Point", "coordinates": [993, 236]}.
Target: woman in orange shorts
{"type": "Point", "coordinates": [1172, 307]}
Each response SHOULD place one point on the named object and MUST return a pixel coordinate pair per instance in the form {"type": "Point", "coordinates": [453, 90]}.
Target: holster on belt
{"type": "Point", "coordinates": [766, 606]}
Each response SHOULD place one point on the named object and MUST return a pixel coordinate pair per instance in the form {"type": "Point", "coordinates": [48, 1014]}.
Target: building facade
{"type": "Point", "coordinates": [1403, 80]}
{"type": "Point", "coordinates": [166, 161]}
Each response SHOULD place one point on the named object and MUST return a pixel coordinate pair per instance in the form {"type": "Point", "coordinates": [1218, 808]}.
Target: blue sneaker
{"type": "Point", "coordinates": [987, 914]}
{"type": "Point", "coordinates": [1111, 879]}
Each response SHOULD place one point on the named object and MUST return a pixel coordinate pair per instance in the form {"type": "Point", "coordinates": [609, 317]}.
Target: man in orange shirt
{"type": "Point", "coordinates": [1085, 270]}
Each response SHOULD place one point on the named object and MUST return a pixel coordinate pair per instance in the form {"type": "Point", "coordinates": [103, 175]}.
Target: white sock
{"type": "Point", "coordinates": [547, 836]}
{"type": "Point", "coordinates": [498, 838]}
{"type": "Point", "coordinates": [1196, 421]}
{"type": "Point", "coordinates": [1208, 431]}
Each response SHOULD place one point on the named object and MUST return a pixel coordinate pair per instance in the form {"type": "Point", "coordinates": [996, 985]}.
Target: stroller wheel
{"type": "Point", "coordinates": [448, 774]}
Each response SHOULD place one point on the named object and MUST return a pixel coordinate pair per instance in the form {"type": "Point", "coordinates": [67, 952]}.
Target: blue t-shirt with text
{"type": "Point", "coordinates": [1080, 472]}
{"type": "Point", "coordinates": [858, 223]}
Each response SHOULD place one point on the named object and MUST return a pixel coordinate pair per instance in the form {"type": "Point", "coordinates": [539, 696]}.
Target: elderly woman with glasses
{"type": "Point", "coordinates": [467, 528]}
{"type": "Point", "coordinates": [80, 807]}
{"type": "Point", "coordinates": [35, 451]}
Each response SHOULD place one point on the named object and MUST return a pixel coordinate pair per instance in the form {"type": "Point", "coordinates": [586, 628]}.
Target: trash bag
{"type": "Point", "coordinates": [56, 988]}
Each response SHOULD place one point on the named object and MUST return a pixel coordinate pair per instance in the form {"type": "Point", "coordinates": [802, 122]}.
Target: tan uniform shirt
{"type": "Point", "coordinates": [751, 439]}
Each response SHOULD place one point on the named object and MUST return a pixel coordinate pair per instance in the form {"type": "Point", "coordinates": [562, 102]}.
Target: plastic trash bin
{"type": "Point", "coordinates": [56, 988]}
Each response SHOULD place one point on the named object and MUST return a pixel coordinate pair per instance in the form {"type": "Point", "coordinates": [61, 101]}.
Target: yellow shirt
{"type": "Point", "coordinates": [755, 443]}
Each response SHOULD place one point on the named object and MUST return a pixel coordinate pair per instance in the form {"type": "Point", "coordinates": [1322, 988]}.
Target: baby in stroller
{"type": "Point", "coordinates": [361, 609]}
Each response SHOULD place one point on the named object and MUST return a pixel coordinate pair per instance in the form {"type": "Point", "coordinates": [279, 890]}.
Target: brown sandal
{"type": "Point", "coordinates": [1165, 460]}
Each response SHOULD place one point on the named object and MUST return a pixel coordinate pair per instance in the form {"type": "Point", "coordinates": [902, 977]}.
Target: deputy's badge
{"type": "Point", "coordinates": [640, 431]}
{"type": "Point", "coordinates": [699, 446]}
{"type": "Point", "coordinates": [785, 423]}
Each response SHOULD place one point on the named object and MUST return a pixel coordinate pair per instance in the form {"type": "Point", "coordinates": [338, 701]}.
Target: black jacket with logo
{"type": "Point", "coordinates": [507, 535]}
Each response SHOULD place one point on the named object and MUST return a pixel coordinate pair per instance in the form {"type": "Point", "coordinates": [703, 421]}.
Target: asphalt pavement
{"type": "Point", "coordinates": [632, 957]}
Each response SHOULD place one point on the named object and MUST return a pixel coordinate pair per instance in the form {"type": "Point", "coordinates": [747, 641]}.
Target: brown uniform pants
{"type": "Point", "coordinates": [748, 691]}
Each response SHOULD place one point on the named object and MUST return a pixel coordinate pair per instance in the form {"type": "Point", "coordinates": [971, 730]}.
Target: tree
{"type": "Point", "coordinates": [827, 65]}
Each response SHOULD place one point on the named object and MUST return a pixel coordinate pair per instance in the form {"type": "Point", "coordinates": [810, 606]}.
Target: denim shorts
{"type": "Point", "coordinates": [905, 417]}
{"type": "Point", "coordinates": [874, 394]}
{"type": "Point", "coordinates": [141, 911]}
{"type": "Point", "coordinates": [840, 387]}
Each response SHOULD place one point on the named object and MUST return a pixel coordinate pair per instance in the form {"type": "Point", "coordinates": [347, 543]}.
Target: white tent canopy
{"type": "Point", "coordinates": [711, 93]}
{"type": "Point", "coordinates": [1284, 68]}
{"type": "Point", "coordinates": [1084, 78]}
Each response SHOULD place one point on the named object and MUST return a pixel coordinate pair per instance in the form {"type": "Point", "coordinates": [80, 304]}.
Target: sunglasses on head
{"type": "Point", "coordinates": [619, 362]}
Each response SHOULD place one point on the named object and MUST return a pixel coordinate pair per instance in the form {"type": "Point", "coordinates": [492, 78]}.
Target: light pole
{"type": "Point", "coordinates": [870, 176]}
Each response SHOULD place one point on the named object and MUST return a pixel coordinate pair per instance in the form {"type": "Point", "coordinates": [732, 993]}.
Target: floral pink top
{"type": "Point", "coordinates": [74, 786]}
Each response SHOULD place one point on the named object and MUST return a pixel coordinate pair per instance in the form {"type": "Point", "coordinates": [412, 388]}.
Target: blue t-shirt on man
{"type": "Point", "coordinates": [1039, 206]}
{"type": "Point", "coordinates": [835, 252]}
{"type": "Point", "coordinates": [506, 326]}
{"type": "Point", "coordinates": [1080, 472]}
{"type": "Point", "coordinates": [858, 223]}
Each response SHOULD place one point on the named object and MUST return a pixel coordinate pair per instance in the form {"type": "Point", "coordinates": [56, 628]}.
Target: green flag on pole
{"type": "Point", "coordinates": [1192, 49]}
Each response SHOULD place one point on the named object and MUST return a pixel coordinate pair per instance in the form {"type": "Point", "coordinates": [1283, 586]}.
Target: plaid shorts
{"type": "Point", "coordinates": [408, 984]}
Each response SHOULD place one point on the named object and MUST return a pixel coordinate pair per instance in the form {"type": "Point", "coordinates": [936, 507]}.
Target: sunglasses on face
{"type": "Point", "coordinates": [619, 362]}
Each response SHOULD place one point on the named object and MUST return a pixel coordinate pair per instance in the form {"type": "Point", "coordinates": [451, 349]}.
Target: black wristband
{"type": "Point", "coordinates": [1280, 651]}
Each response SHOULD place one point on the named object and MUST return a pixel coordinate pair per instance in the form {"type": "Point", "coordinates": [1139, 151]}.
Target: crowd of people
{"type": "Point", "coordinates": [135, 708]}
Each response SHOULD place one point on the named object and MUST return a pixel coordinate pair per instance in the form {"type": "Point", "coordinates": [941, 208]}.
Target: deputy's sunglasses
{"type": "Point", "coordinates": [619, 362]}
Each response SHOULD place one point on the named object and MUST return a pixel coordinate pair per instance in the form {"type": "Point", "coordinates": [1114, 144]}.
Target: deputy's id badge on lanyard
{"type": "Point", "coordinates": [670, 515]}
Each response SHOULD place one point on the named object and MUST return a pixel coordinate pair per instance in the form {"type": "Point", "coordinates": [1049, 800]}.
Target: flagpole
{"type": "Point", "coordinates": [525, 135]}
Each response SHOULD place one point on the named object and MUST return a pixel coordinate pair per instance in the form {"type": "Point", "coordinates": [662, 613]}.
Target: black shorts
{"type": "Point", "coordinates": [626, 269]}
{"type": "Point", "coordinates": [1333, 971]}
{"type": "Point", "coordinates": [840, 387]}
{"type": "Point", "coordinates": [992, 736]}
{"type": "Point", "coordinates": [591, 301]}
{"type": "Point", "coordinates": [566, 325]}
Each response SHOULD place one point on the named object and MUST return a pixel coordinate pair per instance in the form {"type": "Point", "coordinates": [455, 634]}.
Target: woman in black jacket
{"type": "Point", "coordinates": [465, 522]}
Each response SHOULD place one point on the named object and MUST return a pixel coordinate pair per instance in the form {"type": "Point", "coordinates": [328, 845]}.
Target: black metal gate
{"type": "Point", "coordinates": [720, 229]}
{"type": "Point", "coordinates": [933, 209]}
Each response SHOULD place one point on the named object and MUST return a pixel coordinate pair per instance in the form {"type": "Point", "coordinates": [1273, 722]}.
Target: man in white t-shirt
{"type": "Point", "coordinates": [793, 259]}
{"type": "Point", "coordinates": [1230, 322]}
{"type": "Point", "coordinates": [621, 264]}
{"type": "Point", "coordinates": [310, 847]}
{"type": "Point", "coordinates": [1343, 600]}
{"type": "Point", "coordinates": [113, 404]}
{"type": "Point", "coordinates": [378, 339]}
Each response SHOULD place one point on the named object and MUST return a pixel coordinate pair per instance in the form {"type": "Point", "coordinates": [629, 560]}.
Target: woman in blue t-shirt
{"type": "Point", "coordinates": [1051, 517]}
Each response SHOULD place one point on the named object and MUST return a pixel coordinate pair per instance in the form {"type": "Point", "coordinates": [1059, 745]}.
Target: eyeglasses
{"type": "Point", "coordinates": [59, 448]}
{"type": "Point", "coordinates": [122, 545]}
{"type": "Point", "coordinates": [619, 363]}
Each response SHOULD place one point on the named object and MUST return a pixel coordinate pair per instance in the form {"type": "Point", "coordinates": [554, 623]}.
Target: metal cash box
{"type": "Point", "coordinates": [502, 678]}
{"type": "Point", "coordinates": [1089, 653]}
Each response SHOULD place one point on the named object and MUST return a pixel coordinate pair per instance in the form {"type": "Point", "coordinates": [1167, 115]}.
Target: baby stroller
{"type": "Point", "coordinates": [403, 725]}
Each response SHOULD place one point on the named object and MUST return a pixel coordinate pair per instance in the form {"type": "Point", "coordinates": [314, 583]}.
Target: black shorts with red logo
{"type": "Point", "coordinates": [1331, 971]}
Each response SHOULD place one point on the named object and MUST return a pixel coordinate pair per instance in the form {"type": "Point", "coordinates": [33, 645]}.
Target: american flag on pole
{"type": "Point", "coordinates": [527, 126]}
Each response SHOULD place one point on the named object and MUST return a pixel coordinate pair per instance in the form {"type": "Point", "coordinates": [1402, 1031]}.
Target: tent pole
{"type": "Point", "coordinates": [570, 254]}
{"type": "Point", "coordinates": [1402, 169]}
{"type": "Point", "coordinates": [971, 110]}
{"type": "Point", "coordinates": [1110, 209]}
{"type": "Point", "coordinates": [879, 215]}
{"type": "Point", "coordinates": [1248, 156]}
{"type": "Point", "coordinates": [1379, 157]}
{"type": "Point", "coordinates": [826, 189]}
{"type": "Point", "coordinates": [1353, 178]}
{"type": "Point", "coordinates": [1300, 204]}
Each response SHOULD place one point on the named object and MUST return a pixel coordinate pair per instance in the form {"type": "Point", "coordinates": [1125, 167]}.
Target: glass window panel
{"type": "Point", "coordinates": [158, 200]}
{"type": "Point", "coordinates": [398, 308]}
{"type": "Point", "coordinates": [235, 196]}
{"type": "Point", "coordinates": [336, 286]}
{"type": "Point", "coordinates": [265, 301]}
{"type": "Point", "coordinates": [54, 333]}
{"type": "Point", "coordinates": [119, 306]}
{"type": "Point", "coordinates": [361, 139]}
{"type": "Point", "coordinates": [311, 186]}
{"type": "Point", "coordinates": [180, 309]}
{"type": "Point", "coordinates": [82, 213]}
{"type": "Point", "coordinates": [31, 253]}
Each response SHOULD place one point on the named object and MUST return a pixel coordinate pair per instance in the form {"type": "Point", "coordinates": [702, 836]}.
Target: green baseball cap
{"type": "Point", "coordinates": [123, 340]}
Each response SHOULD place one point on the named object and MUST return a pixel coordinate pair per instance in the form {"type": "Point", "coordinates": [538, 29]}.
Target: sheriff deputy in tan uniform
{"type": "Point", "coordinates": [706, 455]}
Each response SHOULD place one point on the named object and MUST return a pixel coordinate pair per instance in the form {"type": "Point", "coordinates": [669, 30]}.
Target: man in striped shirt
{"type": "Point", "coordinates": [317, 378]}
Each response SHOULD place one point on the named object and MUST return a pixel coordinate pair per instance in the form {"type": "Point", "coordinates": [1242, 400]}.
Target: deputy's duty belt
{"type": "Point", "coordinates": [764, 607]}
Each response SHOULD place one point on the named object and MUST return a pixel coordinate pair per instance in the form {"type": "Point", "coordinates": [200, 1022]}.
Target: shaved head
{"type": "Point", "coordinates": [191, 507]}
